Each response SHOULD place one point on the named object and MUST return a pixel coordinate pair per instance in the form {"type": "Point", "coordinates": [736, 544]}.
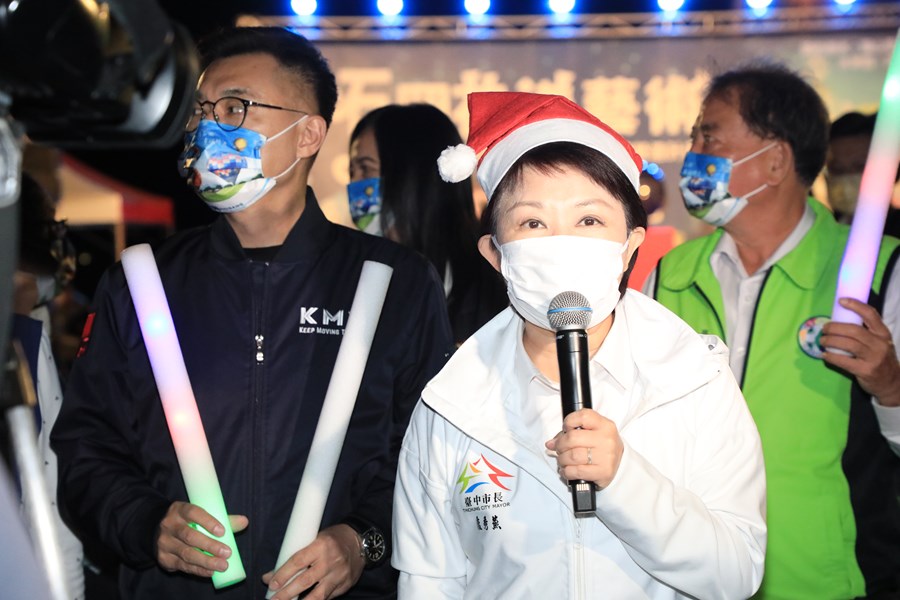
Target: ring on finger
{"type": "Point", "coordinates": [590, 458]}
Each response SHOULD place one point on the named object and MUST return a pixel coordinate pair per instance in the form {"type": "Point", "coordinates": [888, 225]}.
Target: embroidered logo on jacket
{"type": "Point", "coordinates": [483, 485]}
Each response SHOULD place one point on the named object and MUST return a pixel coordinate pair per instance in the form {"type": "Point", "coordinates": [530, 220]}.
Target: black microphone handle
{"type": "Point", "coordinates": [575, 393]}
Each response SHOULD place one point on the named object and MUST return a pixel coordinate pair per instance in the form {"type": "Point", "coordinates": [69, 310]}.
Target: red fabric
{"type": "Point", "coordinates": [86, 334]}
{"type": "Point", "coordinates": [659, 240]}
{"type": "Point", "coordinates": [138, 206]}
{"type": "Point", "coordinates": [494, 115]}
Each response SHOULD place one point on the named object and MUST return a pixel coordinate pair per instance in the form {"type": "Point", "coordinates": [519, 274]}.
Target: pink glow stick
{"type": "Point", "coordinates": [179, 404]}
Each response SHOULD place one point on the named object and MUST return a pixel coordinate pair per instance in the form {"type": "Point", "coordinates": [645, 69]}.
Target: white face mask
{"type": "Point", "coordinates": [537, 269]}
{"type": "Point", "coordinates": [46, 287]}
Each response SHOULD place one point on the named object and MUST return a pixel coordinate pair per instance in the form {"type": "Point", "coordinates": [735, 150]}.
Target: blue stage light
{"type": "Point", "coordinates": [757, 5]}
{"type": "Point", "coordinates": [390, 8]}
{"type": "Point", "coordinates": [477, 7]}
{"type": "Point", "coordinates": [303, 8]}
{"type": "Point", "coordinates": [845, 2]}
{"type": "Point", "coordinates": [670, 5]}
{"type": "Point", "coordinates": [561, 7]}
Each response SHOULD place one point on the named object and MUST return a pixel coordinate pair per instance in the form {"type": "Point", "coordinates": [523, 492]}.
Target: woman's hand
{"type": "Point", "coordinates": [588, 448]}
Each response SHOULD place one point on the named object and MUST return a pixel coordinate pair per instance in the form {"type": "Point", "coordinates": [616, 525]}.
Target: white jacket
{"type": "Point", "coordinates": [684, 515]}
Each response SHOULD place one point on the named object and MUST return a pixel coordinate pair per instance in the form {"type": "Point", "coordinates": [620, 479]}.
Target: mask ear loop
{"type": "Point", "coordinates": [753, 155]}
{"type": "Point", "coordinates": [279, 134]}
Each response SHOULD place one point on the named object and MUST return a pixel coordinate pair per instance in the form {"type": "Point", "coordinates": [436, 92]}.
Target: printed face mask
{"type": "Point", "coordinates": [365, 204]}
{"type": "Point", "coordinates": [225, 168]}
{"type": "Point", "coordinates": [843, 192]}
{"type": "Point", "coordinates": [537, 269]}
{"type": "Point", "coordinates": [704, 186]}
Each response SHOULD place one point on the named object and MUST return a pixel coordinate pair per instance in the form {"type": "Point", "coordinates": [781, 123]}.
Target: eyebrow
{"type": "Point", "coordinates": [592, 201]}
{"type": "Point", "coordinates": [518, 203]}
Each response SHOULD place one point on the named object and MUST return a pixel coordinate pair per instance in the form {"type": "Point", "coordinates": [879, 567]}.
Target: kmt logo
{"type": "Point", "coordinates": [314, 319]}
{"type": "Point", "coordinates": [308, 316]}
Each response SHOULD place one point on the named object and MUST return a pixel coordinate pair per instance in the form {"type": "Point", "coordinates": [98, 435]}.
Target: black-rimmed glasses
{"type": "Point", "coordinates": [229, 112]}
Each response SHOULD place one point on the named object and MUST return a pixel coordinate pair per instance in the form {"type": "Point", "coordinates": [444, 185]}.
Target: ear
{"type": "Point", "coordinates": [312, 137]}
{"type": "Point", "coordinates": [489, 251]}
{"type": "Point", "coordinates": [638, 234]}
{"type": "Point", "coordinates": [779, 163]}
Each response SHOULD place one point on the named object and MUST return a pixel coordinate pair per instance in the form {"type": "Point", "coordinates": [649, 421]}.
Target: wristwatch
{"type": "Point", "coordinates": [372, 545]}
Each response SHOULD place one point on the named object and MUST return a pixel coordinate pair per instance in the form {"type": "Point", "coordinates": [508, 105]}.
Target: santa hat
{"type": "Point", "coordinates": [505, 125]}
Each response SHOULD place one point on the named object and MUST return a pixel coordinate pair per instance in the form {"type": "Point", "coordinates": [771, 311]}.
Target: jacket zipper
{"type": "Point", "coordinates": [258, 278]}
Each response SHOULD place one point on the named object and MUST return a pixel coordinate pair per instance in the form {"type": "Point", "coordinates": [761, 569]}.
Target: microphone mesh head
{"type": "Point", "coordinates": [569, 310]}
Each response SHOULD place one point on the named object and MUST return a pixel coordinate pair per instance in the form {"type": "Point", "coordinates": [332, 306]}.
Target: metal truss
{"type": "Point", "coordinates": [806, 19]}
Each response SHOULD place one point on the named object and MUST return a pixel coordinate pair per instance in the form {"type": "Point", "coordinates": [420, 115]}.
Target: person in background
{"type": "Point", "coordinates": [395, 190]}
{"type": "Point", "coordinates": [660, 238]}
{"type": "Point", "coordinates": [482, 507]}
{"type": "Point", "coordinates": [46, 265]}
{"type": "Point", "coordinates": [259, 300]}
{"type": "Point", "coordinates": [825, 396]}
{"type": "Point", "coordinates": [848, 149]}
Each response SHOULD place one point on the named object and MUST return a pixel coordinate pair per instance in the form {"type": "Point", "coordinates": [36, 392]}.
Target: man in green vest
{"type": "Point", "coordinates": [765, 282]}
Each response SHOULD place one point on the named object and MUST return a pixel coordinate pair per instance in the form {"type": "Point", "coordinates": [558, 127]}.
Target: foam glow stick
{"type": "Point", "coordinates": [861, 254]}
{"type": "Point", "coordinates": [340, 398]}
{"type": "Point", "coordinates": [179, 404]}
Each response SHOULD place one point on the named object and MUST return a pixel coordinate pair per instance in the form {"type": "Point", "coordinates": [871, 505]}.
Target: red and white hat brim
{"type": "Point", "coordinates": [497, 161]}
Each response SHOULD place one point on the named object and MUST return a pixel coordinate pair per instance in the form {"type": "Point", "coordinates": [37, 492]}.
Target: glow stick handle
{"type": "Point", "coordinates": [861, 254]}
{"type": "Point", "coordinates": [340, 398]}
{"type": "Point", "coordinates": [179, 404]}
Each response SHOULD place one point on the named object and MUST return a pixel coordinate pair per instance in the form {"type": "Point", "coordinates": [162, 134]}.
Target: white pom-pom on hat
{"type": "Point", "coordinates": [457, 163]}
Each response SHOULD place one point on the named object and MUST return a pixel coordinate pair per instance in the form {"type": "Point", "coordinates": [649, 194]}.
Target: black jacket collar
{"type": "Point", "coordinates": [311, 234]}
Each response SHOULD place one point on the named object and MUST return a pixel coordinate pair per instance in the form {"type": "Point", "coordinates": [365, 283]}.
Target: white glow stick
{"type": "Point", "coordinates": [328, 441]}
{"type": "Point", "coordinates": [179, 404]}
{"type": "Point", "coordinates": [861, 253]}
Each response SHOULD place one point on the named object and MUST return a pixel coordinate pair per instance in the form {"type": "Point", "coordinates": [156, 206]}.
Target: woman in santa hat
{"type": "Point", "coordinates": [669, 452]}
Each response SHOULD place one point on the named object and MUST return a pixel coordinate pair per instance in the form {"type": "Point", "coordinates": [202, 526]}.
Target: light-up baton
{"type": "Point", "coordinates": [39, 510]}
{"type": "Point", "coordinates": [861, 254]}
{"type": "Point", "coordinates": [340, 398]}
{"type": "Point", "coordinates": [182, 416]}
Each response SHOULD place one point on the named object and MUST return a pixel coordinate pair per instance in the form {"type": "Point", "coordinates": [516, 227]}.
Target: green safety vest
{"type": "Point", "coordinates": [801, 406]}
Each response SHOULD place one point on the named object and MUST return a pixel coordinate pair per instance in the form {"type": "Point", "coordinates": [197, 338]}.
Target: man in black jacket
{"type": "Point", "coordinates": [259, 300]}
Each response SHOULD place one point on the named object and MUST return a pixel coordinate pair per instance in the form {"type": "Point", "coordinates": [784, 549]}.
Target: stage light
{"type": "Point", "coordinates": [303, 8]}
{"type": "Point", "coordinates": [759, 5]}
{"type": "Point", "coordinates": [477, 7]}
{"type": "Point", "coordinates": [844, 2]}
{"type": "Point", "coordinates": [562, 7]}
{"type": "Point", "coordinates": [390, 8]}
{"type": "Point", "coordinates": [670, 5]}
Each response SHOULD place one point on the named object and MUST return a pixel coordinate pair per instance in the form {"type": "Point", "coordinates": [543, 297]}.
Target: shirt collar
{"type": "Point", "coordinates": [726, 249]}
{"type": "Point", "coordinates": [613, 357]}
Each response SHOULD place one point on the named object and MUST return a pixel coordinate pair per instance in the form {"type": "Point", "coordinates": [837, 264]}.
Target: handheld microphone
{"type": "Point", "coordinates": [569, 315]}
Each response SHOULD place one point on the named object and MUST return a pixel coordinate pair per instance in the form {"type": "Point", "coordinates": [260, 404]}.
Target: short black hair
{"type": "Point", "coordinates": [596, 166]}
{"type": "Point", "coordinates": [851, 124]}
{"type": "Point", "coordinates": [777, 103]}
{"type": "Point", "coordinates": [292, 51]}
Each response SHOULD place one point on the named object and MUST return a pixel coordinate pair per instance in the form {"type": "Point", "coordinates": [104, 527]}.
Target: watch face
{"type": "Point", "coordinates": [373, 545]}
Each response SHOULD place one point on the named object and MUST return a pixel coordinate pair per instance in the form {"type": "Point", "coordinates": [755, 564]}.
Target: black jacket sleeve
{"type": "Point", "coordinates": [103, 492]}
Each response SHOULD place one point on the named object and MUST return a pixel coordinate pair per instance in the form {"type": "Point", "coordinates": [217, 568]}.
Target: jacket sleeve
{"type": "Point", "coordinates": [427, 343]}
{"type": "Point", "coordinates": [428, 552]}
{"type": "Point", "coordinates": [706, 539]}
{"type": "Point", "coordinates": [103, 492]}
{"type": "Point", "coordinates": [889, 416]}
